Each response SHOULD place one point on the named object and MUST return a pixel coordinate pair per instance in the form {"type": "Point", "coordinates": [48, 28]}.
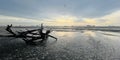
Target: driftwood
{"type": "Point", "coordinates": [29, 36]}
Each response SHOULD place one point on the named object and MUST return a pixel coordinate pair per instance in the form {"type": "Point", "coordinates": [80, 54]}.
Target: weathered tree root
{"type": "Point", "coordinates": [24, 35]}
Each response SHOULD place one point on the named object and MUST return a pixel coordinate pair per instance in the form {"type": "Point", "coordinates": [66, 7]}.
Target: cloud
{"type": "Point", "coordinates": [60, 20]}
{"type": "Point", "coordinates": [39, 8]}
{"type": "Point", "coordinates": [67, 20]}
{"type": "Point", "coordinates": [17, 20]}
{"type": "Point", "coordinates": [110, 19]}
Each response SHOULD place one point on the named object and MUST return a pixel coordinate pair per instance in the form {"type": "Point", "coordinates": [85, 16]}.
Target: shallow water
{"type": "Point", "coordinates": [77, 45]}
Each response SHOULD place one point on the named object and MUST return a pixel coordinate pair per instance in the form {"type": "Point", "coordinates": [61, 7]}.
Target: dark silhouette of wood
{"type": "Point", "coordinates": [26, 37]}
{"type": "Point", "coordinates": [9, 29]}
{"type": "Point", "coordinates": [43, 36]}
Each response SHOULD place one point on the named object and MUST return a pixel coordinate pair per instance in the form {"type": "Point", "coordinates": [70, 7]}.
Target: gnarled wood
{"type": "Point", "coordinates": [26, 34]}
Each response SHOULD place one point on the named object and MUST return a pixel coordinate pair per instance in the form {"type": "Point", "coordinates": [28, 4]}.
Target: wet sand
{"type": "Point", "coordinates": [77, 45]}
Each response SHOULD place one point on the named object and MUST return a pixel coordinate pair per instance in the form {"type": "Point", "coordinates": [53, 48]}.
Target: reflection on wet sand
{"type": "Point", "coordinates": [89, 33]}
{"type": "Point", "coordinates": [65, 34]}
{"type": "Point", "coordinates": [82, 45]}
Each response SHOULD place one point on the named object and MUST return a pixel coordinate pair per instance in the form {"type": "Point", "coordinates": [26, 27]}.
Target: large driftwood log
{"type": "Point", "coordinates": [26, 34]}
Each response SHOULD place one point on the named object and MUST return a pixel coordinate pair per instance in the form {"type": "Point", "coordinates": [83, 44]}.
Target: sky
{"type": "Point", "coordinates": [60, 12]}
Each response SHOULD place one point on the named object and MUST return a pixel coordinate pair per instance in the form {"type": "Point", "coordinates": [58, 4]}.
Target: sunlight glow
{"type": "Point", "coordinates": [64, 20]}
{"type": "Point", "coordinates": [90, 33]}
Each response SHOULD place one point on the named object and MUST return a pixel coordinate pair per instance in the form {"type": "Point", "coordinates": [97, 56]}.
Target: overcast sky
{"type": "Point", "coordinates": [60, 12]}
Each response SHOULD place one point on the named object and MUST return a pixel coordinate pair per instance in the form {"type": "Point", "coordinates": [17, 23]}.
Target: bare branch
{"type": "Point", "coordinates": [9, 29]}
{"type": "Point", "coordinates": [52, 37]}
